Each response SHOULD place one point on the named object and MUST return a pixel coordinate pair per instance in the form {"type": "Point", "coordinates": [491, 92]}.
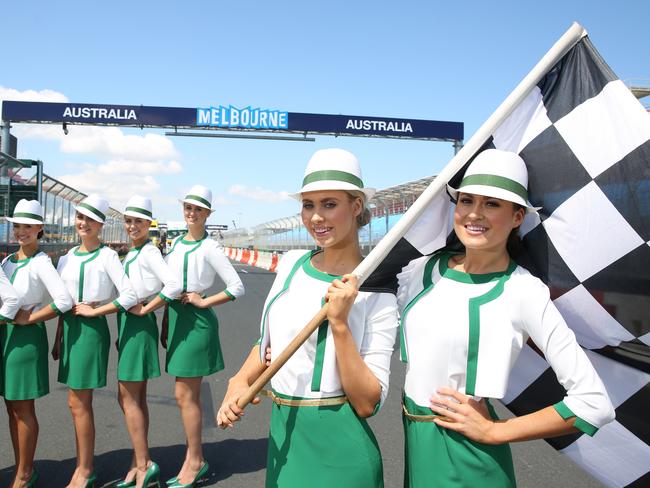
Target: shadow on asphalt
{"type": "Point", "coordinates": [226, 458]}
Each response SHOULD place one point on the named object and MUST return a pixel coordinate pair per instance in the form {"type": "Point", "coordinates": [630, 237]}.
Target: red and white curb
{"type": "Point", "coordinates": [260, 259]}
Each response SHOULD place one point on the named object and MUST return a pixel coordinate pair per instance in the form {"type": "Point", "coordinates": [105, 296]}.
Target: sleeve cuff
{"type": "Point", "coordinates": [120, 307]}
{"type": "Point", "coordinates": [5, 319]}
{"type": "Point", "coordinates": [232, 297]}
{"type": "Point", "coordinates": [167, 299]}
{"type": "Point", "coordinates": [56, 309]}
{"type": "Point", "coordinates": [580, 424]}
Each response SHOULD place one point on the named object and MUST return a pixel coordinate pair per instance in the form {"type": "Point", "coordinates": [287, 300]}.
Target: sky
{"type": "Point", "coordinates": [449, 61]}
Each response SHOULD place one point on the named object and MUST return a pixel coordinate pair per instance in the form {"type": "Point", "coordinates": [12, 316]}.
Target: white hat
{"type": "Point", "coordinates": [498, 174]}
{"type": "Point", "coordinates": [93, 206]}
{"type": "Point", "coordinates": [139, 207]}
{"type": "Point", "coordinates": [200, 196]}
{"type": "Point", "coordinates": [27, 212]}
{"type": "Point", "coordinates": [333, 169]}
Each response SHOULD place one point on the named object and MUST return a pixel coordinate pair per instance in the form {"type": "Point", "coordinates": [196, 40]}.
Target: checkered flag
{"type": "Point", "coordinates": [586, 142]}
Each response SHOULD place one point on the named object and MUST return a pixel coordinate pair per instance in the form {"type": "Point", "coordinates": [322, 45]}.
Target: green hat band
{"type": "Point", "coordinates": [28, 216]}
{"type": "Point", "coordinates": [199, 199]}
{"type": "Point", "coordinates": [498, 182]}
{"type": "Point", "coordinates": [93, 210]}
{"type": "Point", "coordinates": [332, 174]}
{"type": "Point", "coordinates": [143, 211]}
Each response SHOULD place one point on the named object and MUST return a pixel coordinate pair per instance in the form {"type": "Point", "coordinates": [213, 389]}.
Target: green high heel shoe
{"type": "Point", "coordinates": [152, 475]}
{"type": "Point", "coordinates": [33, 478]}
{"type": "Point", "coordinates": [125, 484]}
{"type": "Point", "coordinates": [172, 481]}
{"type": "Point", "coordinates": [199, 477]}
{"type": "Point", "coordinates": [90, 481]}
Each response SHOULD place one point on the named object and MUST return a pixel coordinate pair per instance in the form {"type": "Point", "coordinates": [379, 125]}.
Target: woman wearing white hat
{"type": "Point", "coordinates": [319, 436]}
{"type": "Point", "coordinates": [154, 284]}
{"type": "Point", "coordinates": [24, 342]}
{"type": "Point", "coordinates": [91, 273]}
{"type": "Point", "coordinates": [465, 318]}
{"type": "Point", "coordinates": [193, 347]}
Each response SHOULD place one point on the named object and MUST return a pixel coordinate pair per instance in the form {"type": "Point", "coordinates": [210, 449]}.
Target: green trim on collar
{"type": "Point", "coordinates": [497, 182]}
{"type": "Point", "coordinates": [580, 424]}
{"type": "Point", "coordinates": [332, 174]}
{"type": "Point", "coordinates": [28, 215]}
{"type": "Point", "coordinates": [23, 263]}
{"type": "Point", "coordinates": [143, 211]}
{"type": "Point", "coordinates": [137, 250]}
{"type": "Point", "coordinates": [475, 328]}
{"type": "Point", "coordinates": [77, 252]}
{"type": "Point", "coordinates": [97, 213]}
{"type": "Point", "coordinates": [469, 278]}
{"type": "Point", "coordinates": [82, 271]}
{"type": "Point", "coordinates": [184, 241]}
{"type": "Point", "coordinates": [199, 199]}
{"type": "Point", "coordinates": [315, 273]}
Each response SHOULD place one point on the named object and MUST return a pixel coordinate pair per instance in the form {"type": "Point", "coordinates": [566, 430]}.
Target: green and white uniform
{"type": "Point", "coordinates": [25, 347]}
{"type": "Point", "coordinates": [9, 309]}
{"type": "Point", "coordinates": [322, 445]}
{"type": "Point", "coordinates": [465, 332]}
{"type": "Point", "coordinates": [138, 335]}
{"type": "Point", "coordinates": [90, 277]}
{"type": "Point", "coordinates": [193, 347]}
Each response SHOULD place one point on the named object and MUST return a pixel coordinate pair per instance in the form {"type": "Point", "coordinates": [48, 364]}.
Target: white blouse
{"type": "Point", "coordinates": [197, 263]}
{"type": "Point", "coordinates": [10, 300]}
{"type": "Point", "coordinates": [36, 282]}
{"type": "Point", "coordinates": [312, 371]}
{"type": "Point", "coordinates": [149, 274]}
{"type": "Point", "coordinates": [92, 277]}
{"type": "Point", "coordinates": [465, 331]}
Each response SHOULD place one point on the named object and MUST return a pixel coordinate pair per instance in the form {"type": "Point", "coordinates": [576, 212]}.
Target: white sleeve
{"type": "Point", "coordinates": [61, 299]}
{"type": "Point", "coordinates": [586, 397]}
{"type": "Point", "coordinates": [171, 286]}
{"type": "Point", "coordinates": [379, 337]}
{"type": "Point", "coordinates": [219, 262]}
{"type": "Point", "coordinates": [409, 281]}
{"type": "Point", "coordinates": [126, 296]}
{"type": "Point", "coordinates": [10, 300]}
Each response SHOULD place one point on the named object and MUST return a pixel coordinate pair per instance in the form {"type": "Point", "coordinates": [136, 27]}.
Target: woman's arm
{"type": "Point", "coordinates": [229, 412]}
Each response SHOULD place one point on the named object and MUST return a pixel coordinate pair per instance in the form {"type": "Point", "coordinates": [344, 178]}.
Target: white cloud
{"type": "Point", "coordinates": [126, 167]}
{"type": "Point", "coordinates": [258, 193]}
{"type": "Point", "coordinates": [34, 131]}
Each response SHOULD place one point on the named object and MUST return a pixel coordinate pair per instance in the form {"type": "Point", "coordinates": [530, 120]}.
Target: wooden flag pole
{"type": "Point", "coordinates": [377, 255]}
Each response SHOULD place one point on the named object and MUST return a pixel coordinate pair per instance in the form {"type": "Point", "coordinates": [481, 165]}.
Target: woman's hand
{"type": "Point", "coordinates": [83, 310]}
{"type": "Point", "coordinates": [463, 414]}
{"type": "Point", "coordinates": [340, 297]}
{"type": "Point", "coordinates": [192, 298]}
{"type": "Point", "coordinates": [229, 412]}
{"type": "Point", "coordinates": [22, 317]}
{"type": "Point", "coordinates": [137, 310]}
{"type": "Point", "coordinates": [267, 356]}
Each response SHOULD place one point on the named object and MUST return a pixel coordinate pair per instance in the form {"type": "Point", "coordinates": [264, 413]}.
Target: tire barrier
{"type": "Point", "coordinates": [260, 259]}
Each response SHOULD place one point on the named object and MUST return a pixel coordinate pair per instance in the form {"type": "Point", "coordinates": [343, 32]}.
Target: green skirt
{"type": "Point", "coordinates": [193, 347]}
{"type": "Point", "coordinates": [24, 368]}
{"type": "Point", "coordinates": [84, 352]}
{"type": "Point", "coordinates": [436, 456]}
{"type": "Point", "coordinates": [137, 347]}
{"type": "Point", "coordinates": [322, 447]}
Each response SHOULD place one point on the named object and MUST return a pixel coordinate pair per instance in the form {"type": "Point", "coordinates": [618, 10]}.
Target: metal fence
{"type": "Point", "coordinates": [386, 208]}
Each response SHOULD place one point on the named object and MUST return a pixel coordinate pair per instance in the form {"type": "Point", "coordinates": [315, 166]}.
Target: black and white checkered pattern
{"type": "Point", "coordinates": [586, 141]}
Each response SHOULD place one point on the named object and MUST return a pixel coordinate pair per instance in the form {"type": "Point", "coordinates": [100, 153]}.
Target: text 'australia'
{"type": "Point", "coordinates": [100, 113]}
{"type": "Point", "coordinates": [379, 125]}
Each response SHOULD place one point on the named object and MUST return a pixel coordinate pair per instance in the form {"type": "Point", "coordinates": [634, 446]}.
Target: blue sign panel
{"type": "Point", "coordinates": [230, 118]}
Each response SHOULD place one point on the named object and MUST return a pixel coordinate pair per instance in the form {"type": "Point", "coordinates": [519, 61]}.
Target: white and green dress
{"type": "Point", "coordinates": [193, 346]}
{"type": "Point", "coordinates": [138, 335]}
{"type": "Point", "coordinates": [92, 278]}
{"type": "Point", "coordinates": [25, 347]}
{"type": "Point", "coordinates": [322, 446]}
{"type": "Point", "coordinates": [465, 332]}
{"type": "Point", "coordinates": [8, 310]}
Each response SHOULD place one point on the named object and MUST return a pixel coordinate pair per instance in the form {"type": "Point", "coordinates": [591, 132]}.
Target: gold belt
{"type": "Point", "coordinates": [423, 418]}
{"type": "Point", "coordinates": [304, 402]}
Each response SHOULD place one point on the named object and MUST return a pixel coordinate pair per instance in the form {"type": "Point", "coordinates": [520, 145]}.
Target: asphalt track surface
{"type": "Point", "coordinates": [237, 456]}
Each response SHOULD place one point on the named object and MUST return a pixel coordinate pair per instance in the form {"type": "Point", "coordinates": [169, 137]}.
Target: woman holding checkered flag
{"type": "Point", "coordinates": [465, 318]}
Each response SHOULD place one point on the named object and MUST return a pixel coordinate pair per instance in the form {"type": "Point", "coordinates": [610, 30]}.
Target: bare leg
{"type": "Point", "coordinates": [130, 475]}
{"type": "Point", "coordinates": [136, 422]}
{"type": "Point", "coordinates": [80, 403]}
{"type": "Point", "coordinates": [12, 431]}
{"type": "Point", "coordinates": [25, 426]}
{"type": "Point", "coordinates": [188, 397]}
